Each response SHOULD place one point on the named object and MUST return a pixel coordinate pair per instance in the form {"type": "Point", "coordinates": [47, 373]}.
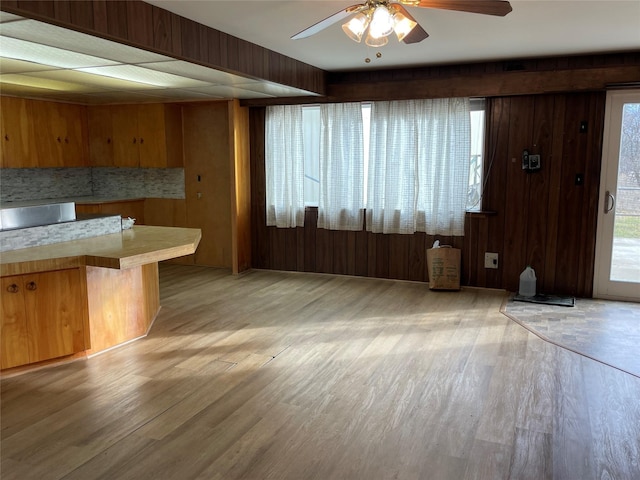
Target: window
{"type": "Point", "coordinates": [311, 135]}
{"type": "Point", "coordinates": [311, 130]}
{"type": "Point", "coordinates": [406, 165]}
{"type": "Point", "coordinates": [476, 167]}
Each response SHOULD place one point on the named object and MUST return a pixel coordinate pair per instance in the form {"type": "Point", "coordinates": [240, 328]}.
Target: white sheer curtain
{"type": "Point", "coordinates": [284, 166]}
{"type": "Point", "coordinates": [340, 206]}
{"type": "Point", "coordinates": [419, 166]}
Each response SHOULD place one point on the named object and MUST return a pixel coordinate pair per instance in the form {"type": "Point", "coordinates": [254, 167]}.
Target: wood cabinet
{"type": "Point", "coordinates": [18, 143]}
{"type": "Point", "coordinates": [43, 316]}
{"type": "Point", "coordinates": [43, 134]}
{"type": "Point", "coordinates": [39, 133]}
{"type": "Point", "coordinates": [100, 136]}
{"type": "Point", "coordinates": [148, 136]}
{"type": "Point", "coordinates": [14, 336]}
{"type": "Point", "coordinates": [67, 136]}
{"type": "Point", "coordinates": [127, 140]}
{"type": "Point", "coordinates": [217, 183]}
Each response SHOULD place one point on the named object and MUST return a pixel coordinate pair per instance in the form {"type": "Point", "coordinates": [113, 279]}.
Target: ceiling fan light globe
{"type": "Point", "coordinates": [402, 25]}
{"type": "Point", "coordinates": [355, 28]}
{"type": "Point", "coordinates": [381, 22]}
{"type": "Point", "coordinates": [375, 41]}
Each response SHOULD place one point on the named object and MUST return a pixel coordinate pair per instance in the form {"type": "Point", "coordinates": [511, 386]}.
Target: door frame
{"type": "Point", "coordinates": [603, 287]}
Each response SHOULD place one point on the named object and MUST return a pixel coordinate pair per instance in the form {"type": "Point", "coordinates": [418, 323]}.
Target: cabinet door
{"type": "Point", "coordinates": [174, 137]}
{"type": "Point", "coordinates": [207, 173]}
{"type": "Point", "coordinates": [55, 314]}
{"type": "Point", "coordinates": [125, 136]}
{"type": "Point", "coordinates": [18, 148]}
{"type": "Point", "coordinates": [48, 132]}
{"type": "Point", "coordinates": [100, 136]}
{"type": "Point", "coordinates": [13, 324]}
{"type": "Point", "coordinates": [72, 121]}
{"type": "Point", "coordinates": [152, 136]}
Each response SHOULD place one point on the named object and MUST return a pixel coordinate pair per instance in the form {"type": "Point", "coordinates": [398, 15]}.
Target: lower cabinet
{"type": "Point", "coordinates": [43, 317]}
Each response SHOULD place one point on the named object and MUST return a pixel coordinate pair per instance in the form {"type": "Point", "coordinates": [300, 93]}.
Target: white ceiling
{"type": "Point", "coordinates": [534, 28]}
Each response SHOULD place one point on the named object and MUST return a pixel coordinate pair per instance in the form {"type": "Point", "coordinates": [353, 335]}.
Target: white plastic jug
{"type": "Point", "coordinates": [528, 282]}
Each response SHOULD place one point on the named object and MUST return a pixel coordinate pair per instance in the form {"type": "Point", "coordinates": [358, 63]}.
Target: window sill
{"type": "Point", "coordinates": [469, 213]}
{"type": "Point", "coordinates": [481, 213]}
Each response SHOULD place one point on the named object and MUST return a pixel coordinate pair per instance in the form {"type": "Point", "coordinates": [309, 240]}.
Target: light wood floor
{"type": "Point", "coordinates": [300, 376]}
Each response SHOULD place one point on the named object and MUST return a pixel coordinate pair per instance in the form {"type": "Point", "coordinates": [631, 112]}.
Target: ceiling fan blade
{"type": "Point", "coordinates": [327, 22]}
{"type": "Point", "coordinates": [487, 7]}
{"type": "Point", "coordinates": [418, 33]}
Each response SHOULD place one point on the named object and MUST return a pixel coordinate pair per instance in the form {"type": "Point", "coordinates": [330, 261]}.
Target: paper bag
{"type": "Point", "coordinates": [443, 264]}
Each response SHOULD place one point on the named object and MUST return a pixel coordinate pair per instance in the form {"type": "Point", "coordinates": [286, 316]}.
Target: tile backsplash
{"type": "Point", "coordinates": [59, 232]}
{"type": "Point", "coordinates": [20, 184]}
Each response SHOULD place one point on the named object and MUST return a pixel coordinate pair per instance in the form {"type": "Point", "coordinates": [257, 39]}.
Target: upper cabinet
{"type": "Point", "coordinates": [61, 130]}
{"type": "Point", "coordinates": [43, 134]}
{"type": "Point", "coordinates": [148, 135]}
{"type": "Point", "coordinates": [18, 142]}
{"type": "Point", "coordinates": [50, 134]}
{"type": "Point", "coordinates": [100, 136]}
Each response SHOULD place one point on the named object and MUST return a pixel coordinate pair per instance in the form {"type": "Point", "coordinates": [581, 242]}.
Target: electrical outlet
{"type": "Point", "coordinates": [490, 260]}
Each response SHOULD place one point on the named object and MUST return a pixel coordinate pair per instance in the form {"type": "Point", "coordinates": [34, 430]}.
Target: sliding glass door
{"type": "Point", "coordinates": [617, 268]}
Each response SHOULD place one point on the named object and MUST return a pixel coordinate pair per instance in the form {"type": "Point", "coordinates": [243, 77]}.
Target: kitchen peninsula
{"type": "Point", "coordinates": [81, 297]}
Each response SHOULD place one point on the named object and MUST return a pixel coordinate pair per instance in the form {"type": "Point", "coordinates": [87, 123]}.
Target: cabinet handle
{"type": "Point", "coordinates": [32, 286]}
{"type": "Point", "coordinates": [6, 137]}
{"type": "Point", "coordinates": [141, 141]}
{"type": "Point", "coordinates": [13, 288]}
{"type": "Point", "coordinates": [66, 140]}
{"type": "Point", "coordinates": [59, 140]}
{"type": "Point", "coordinates": [134, 140]}
{"type": "Point", "coordinates": [108, 140]}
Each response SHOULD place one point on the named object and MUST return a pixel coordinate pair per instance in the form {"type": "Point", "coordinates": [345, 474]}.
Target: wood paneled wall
{"type": "Point", "coordinates": [543, 219]}
{"type": "Point", "coordinates": [240, 187]}
{"type": "Point", "coordinates": [152, 28]}
{"type": "Point", "coordinates": [540, 219]}
{"type": "Point", "coordinates": [509, 77]}
{"type": "Point", "coordinates": [487, 79]}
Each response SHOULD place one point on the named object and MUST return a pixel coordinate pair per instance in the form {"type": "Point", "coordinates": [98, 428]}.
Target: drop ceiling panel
{"type": "Point", "coordinates": [40, 60]}
{"type": "Point", "coordinates": [192, 70]}
{"type": "Point", "coordinates": [10, 65]}
{"type": "Point", "coordinates": [138, 74]}
{"type": "Point", "coordinates": [118, 97]}
{"type": "Point", "coordinates": [74, 97]}
{"type": "Point", "coordinates": [43, 83]}
{"type": "Point", "coordinates": [177, 94]}
{"type": "Point", "coordinates": [24, 90]}
{"type": "Point", "coordinates": [98, 82]}
{"type": "Point", "coordinates": [8, 17]}
{"type": "Point", "coordinates": [45, 54]}
{"type": "Point", "coordinates": [225, 91]}
{"type": "Point", "coordinates": [47, 34]}
{"type": "Point", "coordinates": [274, 89]}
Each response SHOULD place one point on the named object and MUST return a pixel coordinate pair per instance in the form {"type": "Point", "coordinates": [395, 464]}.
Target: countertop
{"type": "Point", "coordinates": [137, 246]}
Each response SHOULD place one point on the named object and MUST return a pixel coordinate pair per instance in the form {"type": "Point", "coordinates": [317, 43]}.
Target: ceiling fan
{"type": "Point", "coordinates": [383, 17]}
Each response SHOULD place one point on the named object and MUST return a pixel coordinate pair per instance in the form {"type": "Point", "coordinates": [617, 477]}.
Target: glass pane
{"type": "Point", "coordinates": [625, 258]}
{"type": "Point", "coordinates": [311, 132]}
{"type": "Point", "coordinates": [475, 167]}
